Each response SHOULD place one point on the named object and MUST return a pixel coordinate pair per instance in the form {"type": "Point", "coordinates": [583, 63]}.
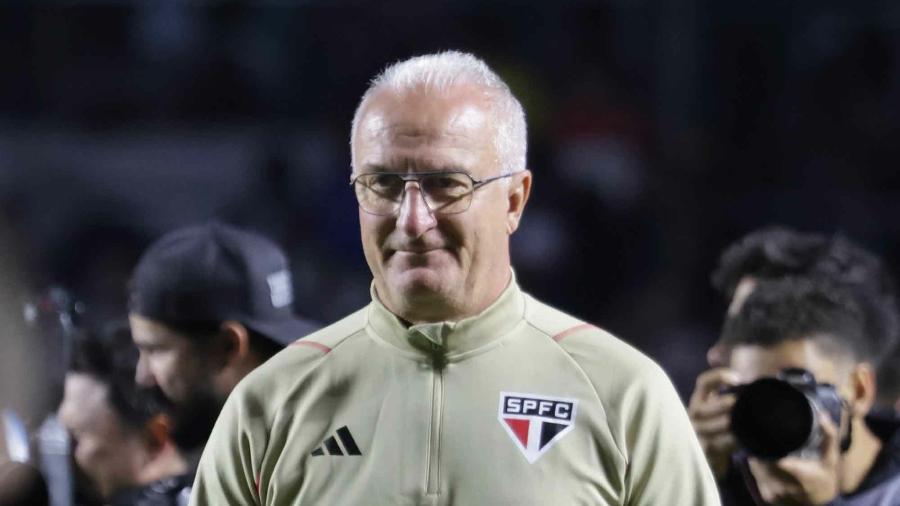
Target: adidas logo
{"type": "Point", "coordinates": [332, 447]}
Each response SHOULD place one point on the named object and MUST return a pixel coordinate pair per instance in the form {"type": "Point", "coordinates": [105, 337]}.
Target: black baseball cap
{"type": "Point", "coordinates": [215, 272]}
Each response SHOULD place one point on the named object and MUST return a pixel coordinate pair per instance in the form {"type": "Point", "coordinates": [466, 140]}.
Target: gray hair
{"type": "Point", "coordinates": [445, 70]}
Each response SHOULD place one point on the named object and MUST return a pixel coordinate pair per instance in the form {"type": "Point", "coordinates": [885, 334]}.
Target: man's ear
{"type": "Point", "coordinates": [862, 381]}
{"type": "Point", "coordinates": [519, 190]}
{"type": "Point", "coordinates": [235, 340]}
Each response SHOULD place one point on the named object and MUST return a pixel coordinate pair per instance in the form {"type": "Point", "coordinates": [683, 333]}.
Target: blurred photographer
{"type": "Point", "coordinates": [812, 334]}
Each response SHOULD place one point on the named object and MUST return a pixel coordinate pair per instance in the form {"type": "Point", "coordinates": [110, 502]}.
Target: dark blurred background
{"type": "Point", "coordinates": [660, 131]}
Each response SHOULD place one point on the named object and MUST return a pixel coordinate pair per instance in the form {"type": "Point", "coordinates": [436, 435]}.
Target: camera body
{"type": "Point", "coordinates": [774, 417]}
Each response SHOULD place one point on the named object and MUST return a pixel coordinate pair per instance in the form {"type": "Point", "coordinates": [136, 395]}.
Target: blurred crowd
{"type": "Point", "coordinates": [801, 400]}
{"type": "Point", "coordinates": [663, 131]}
{"type": "Point", "coordinates": [660, 137]}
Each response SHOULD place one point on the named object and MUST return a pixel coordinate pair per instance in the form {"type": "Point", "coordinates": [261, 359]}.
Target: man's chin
{"type": "Point", "coordinates": [192, 420]}
{"type": "Point", "coordinates": [419, 282]}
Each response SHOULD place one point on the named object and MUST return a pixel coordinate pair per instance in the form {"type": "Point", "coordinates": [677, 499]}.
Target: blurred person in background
{"type": "Point", "coordinates": [21, 402]}
{"type": "Point", "coordinates": [208, 304]}
{"type": "Point", "coordinates": [46, 322]}
{"type": "Point", "coordinates": [37, 337]}
{"type": "Point", "coordinates": [451, 386]}
{"type": "Point", "coordinates": [818, 326]}
{"type": "Point", "coordinates": [773, 252]}
{"type": "Point", "coordinates": [888, 398]}
{"type": "Point", "coordinates": [121, 444]}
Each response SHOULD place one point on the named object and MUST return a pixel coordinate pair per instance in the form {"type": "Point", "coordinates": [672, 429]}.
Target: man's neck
{"type": "Point", "coordinates": [438, 309]}
{"type": "Point", "coordinates": [860, 458]}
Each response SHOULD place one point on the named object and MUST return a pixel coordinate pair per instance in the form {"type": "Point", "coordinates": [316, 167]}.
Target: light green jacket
{"type": "Point", "coordinates": [519, 405]}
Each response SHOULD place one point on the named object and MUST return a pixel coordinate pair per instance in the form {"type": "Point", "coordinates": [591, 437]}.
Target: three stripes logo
{"type": "Point", "coordinates": [536, 422]}
{"type": "Point", "coordinates": [331, 447]}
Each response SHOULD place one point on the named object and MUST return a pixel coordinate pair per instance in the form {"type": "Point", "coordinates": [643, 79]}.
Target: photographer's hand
{"type": "Point", "coordinates": [710, 413]}
{"type": "Point", "coordinates": [794, 480]}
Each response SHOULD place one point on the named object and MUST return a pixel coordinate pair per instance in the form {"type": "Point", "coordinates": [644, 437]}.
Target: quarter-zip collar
{"type": "Point", "coordinates": [450, 340]}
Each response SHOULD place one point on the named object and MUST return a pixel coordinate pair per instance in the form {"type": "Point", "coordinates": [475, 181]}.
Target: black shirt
{"type": "Point", "coordinates": [172, 491]}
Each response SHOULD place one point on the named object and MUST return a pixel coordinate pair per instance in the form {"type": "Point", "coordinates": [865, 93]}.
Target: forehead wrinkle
{"type": "Point", "coordinates": [411, 136]}
{"type": "Point", "coordinates": [406, 136]}
{"type": "Point", "coordinates": [462, 124]}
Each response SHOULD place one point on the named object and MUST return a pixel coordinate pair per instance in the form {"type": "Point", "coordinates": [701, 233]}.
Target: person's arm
{"type": "Point", "coordinates": [665, 462]}
{"type": "Point", "coordinates": [229, 467]}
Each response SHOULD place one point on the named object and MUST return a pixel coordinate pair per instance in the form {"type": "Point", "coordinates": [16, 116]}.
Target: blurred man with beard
{"type": "Point", "coordinates": [209, 304]}
{"type": "Point", "coordinates": [120, 438]}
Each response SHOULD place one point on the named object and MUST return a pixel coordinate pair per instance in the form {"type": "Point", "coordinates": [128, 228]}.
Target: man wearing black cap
{"type": "Point", "coordinates": [209, 304]}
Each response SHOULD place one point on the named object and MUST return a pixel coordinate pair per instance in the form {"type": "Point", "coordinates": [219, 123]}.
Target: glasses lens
{"type": "Point", "coordinates": [447, 193]}
{"type": "Point", "coordinates": [379, 193]}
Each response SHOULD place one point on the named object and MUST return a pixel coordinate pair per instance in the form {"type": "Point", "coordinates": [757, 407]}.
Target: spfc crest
{"type": "Point", "coordinates": [536, 422]}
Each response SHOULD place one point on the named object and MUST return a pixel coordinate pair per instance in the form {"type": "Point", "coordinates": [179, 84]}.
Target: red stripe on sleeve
{"type": "Point", "coordinates": [320, 346]}
{"type": "Point", "coordinates": [562, 335]}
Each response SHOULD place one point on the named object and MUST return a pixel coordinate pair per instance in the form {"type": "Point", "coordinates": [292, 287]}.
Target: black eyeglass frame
{"type": "Point", "coordinates": [415, 177]}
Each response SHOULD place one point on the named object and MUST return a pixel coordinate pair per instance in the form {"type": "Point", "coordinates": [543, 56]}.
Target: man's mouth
{"type": "Point", "coordinates": [418, 251]}
{"type": "Point", "coordinates": [417, 257]}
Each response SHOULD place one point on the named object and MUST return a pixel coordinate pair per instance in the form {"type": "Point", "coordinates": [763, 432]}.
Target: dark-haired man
{"type": "Point", "coordinates": [120, 438]}
{"type": "Point", "coordinates": [772, 253]}
{"type": "Point", "coordinates": [819, 326]}
{"type": "Point", "coordinates": [209, 303]}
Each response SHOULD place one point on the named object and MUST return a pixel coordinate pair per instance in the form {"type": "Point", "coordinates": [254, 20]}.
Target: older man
{"type": "Point", "coordinates": [452, 386]}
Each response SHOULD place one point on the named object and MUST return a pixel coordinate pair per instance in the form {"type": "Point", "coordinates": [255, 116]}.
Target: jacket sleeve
{"type": "Point", "coordinates": [665, 462]}
{"type": "Point", "coordinates": [228, 473]}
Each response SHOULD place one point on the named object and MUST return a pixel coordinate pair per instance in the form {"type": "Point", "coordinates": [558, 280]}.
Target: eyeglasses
{"type": "Point", "coordinates": [381, 193]}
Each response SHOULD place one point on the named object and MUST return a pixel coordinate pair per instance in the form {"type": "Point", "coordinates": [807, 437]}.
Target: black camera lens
{"type": "Point", "coordinates": [771, 418]}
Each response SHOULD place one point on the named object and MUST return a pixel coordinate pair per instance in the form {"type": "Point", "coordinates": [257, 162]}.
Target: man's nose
{"type": "Point", "coordinates": [142, 374]}
{"type": "Point", "coordinates": [415, 218]}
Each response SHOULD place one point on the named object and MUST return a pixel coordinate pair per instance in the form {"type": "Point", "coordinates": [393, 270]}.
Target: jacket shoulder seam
{"type": "Point", "coordinates": [587, 378]}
